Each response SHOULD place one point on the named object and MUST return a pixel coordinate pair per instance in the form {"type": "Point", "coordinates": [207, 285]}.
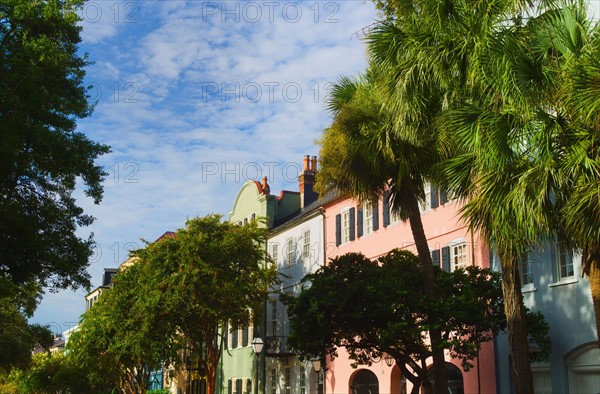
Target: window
{"type": "Point", "coordinates": [287, 376]}
{"type": "Point", "coordinates": [238, 386]}
{"type": "Point", "coordinates": [306, 247]}
{"type": "Point", "coordinates": [274, 323]}
{"type": "Point", "coordinates": [368, 217]}
{"type": "Point", "coordinates": [275, 252]}
{"type": "Point", "coordinates": [234, 337]}
{"type": "Point", "coordinates": [248, 386]}
{"type": "Point", "coordinates": [245, 336]}
{"type": "Point", "coordinates": [390, 215]}
{"type": "Point", "coordinates": [273, 386]}
{"type": "Point", "coordinates": [459, 256]}
{"type": "Point", "coordinates": [302, 380]}
{"type": "Point", "coordinates": [525, 270]}
{"type": "Point", "coordinates": [426, 204]}
{"type": "Point", "coordinates": [346, 227]}
{"type": "Point", "coordinates": [394, 216]}
{"type": "Point", "coordinates": [290, 252]}
{"type": "Point", "coordinates": [564, 261]}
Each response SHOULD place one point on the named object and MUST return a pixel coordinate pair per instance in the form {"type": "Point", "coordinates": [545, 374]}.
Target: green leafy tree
{"type": "Point", "coordinates": [210, 274]}
{"type": "Point", "coordinates": [173, 302]}
{"type": "Point", "coordinates": [42, 95]}
{"type": "Point", "coordinates": [49, 373]}
{"type": "Point", "coordinates": [17, 336]}
{"type": "Point", "coordinates": [374, 308]}
{"type": "Point", "coordinates": [120, 340]}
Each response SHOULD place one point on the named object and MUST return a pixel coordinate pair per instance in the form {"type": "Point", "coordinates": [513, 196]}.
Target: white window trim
{"type": "Point", "coordinates": [345, 231]}
{"type": "Point", "coordinates": [275, 252]}
{"type": "Point", "coordinates": [455, 243]}
{"type": "Point", "coordinates": [367, 207]}
{"type": "Point", "coordinates": [569, 256]}
{"type": "Point", "coordinates": [290, 247]}
{"type": "Point", "coordinates": [306, 252]}
{"type": "Point", "coordinates": [425, 206]}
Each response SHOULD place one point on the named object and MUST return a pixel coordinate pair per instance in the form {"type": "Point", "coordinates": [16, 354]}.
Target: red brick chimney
{"type": "Point", "coordinates": [306, 181]}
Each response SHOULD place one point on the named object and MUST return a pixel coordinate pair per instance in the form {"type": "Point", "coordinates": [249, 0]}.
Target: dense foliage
{"type": "Point", "coordinates": [506, 92]}
{"type": "Point", "coordinates": [374, 308]}
{"type": "Point", "coordinates": [42, 156]}
{"type": "Point", "coordinates": [176, 297]}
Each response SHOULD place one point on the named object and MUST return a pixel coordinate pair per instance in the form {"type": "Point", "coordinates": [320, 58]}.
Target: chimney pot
{"type": "Point", "coordinates": [313, 164]}
{"type": "Point", "coordinates": [265, 186]}
{"type": "Point", "coordinates": [306, 162]}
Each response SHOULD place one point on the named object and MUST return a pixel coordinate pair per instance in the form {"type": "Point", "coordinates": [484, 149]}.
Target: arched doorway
{"type": "Point", "coordinates": [455, 379]}
{"type": "Point", "coordinates": [364, 382]}
{"type": "Point", "coordinates": [583, 365]}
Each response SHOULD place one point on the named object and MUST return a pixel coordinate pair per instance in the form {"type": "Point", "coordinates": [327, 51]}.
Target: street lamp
{"type": "Point", "coordinates": [257, 346]}
{"type": "Point", "coordinates": [316, 363]}
{"type": "Point", "coordinates": [319, 366]}
{"type": "Point", "coordinates": [389, 360]}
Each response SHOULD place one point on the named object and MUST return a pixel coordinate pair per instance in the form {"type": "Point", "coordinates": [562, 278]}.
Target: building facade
{"type": "Point", "coordinates": [373, 229]}
{"type": "Point", "coordinates": [552, 283]}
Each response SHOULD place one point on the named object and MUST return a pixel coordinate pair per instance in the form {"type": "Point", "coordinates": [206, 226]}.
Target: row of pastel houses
{"type": "Point", "coordinates": [306, 231]}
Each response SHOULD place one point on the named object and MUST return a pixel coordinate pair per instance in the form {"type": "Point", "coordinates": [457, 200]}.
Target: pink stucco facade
{"type": "Point", "coordinates": [442, 228]}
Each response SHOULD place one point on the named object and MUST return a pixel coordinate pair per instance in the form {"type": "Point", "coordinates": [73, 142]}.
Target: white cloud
{"type": "Point", "coordinates": [183, 151]}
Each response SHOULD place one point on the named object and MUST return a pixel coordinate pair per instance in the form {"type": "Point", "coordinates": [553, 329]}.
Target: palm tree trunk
{"type": "Point", "coordinates": [516, 324]}
{"type": "Point", "coordinates": [440, 373]}
{"type": "Point", "coordinates": [594, 276]}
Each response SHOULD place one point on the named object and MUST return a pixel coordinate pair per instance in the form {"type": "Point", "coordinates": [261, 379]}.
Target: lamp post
{"type": "Point", "coordinates": [318, 365]}
{"type": "Point", "coordinates": [389, 360]}
{"type": "Point", "coordinates": [257, 346]}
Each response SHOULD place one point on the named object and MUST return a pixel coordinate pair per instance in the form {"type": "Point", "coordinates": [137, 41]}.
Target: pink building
{"type": "Point", "coordinates": [373, 229]}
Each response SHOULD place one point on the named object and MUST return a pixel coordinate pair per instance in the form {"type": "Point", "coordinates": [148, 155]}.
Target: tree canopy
{"type": "Point", "coordinates": [373, 308]}
{"type": "Point", "coordinates": [180, 293]}
{"type": "Point", "coordinates": [42, 156]}
{"type": "Point", "coordinates": [43, 159]}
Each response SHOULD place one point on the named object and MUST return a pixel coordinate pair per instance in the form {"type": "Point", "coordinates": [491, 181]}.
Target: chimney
{"type": "Point", "coordinates": [306, 181]}
{"type": "Point", "coordinates": [265, 186]}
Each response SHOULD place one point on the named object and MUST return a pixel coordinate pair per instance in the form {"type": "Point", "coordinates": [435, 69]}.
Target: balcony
{"type": "Point", "coordinates": [277, 346]}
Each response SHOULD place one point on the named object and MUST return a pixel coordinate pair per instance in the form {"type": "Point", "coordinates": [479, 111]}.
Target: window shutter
{"type": "Point", "coordinates": [555, 263]}
{"type": "Point", "coordinates": [229, 387]}
{"type": "Point", "coordinates": [375, 214]}
{"type": "Point", "coordinates": [338, 229]}
{"type": "Point", "coordinates": [248, 386]}
{"type": "Point", "coordinates": [238, 386]}
{"type": "Point", "coordinates": [386, 208]}
{"type": "Point", "coordinates": [435, 257]}
{"type": "Point", "coordinates": [443, 196]}
{"type": "Point", "coordinates": [446, 258]}
{"type": "Point", "coordinates": [434, 197]}
{"type": "Point", "coordinates": [359, 222]}
{"type": "Point", "coordinates": [352, 222]}
{"type": "Point", "coordinates": [245, 336]}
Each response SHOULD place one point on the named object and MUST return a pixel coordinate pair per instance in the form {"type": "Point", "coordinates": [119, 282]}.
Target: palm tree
{"type": "Point", "coordinates": [577, 41]}
{"type": "Point", "coordinates": [458, 53]}
{"type": "Point", "coordinates": [525, 157]}
{"type": "Point", "coordinates": [362, 155]}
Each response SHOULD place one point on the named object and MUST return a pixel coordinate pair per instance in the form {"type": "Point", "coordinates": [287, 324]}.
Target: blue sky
{"type": "Point", "coordinates": [195, 98]}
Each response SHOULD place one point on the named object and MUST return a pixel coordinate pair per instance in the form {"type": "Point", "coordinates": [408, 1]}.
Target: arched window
{"type": "Point", "coordinates": [365, 382]}
{"type": "Point", "coordinates": [455, 379]}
